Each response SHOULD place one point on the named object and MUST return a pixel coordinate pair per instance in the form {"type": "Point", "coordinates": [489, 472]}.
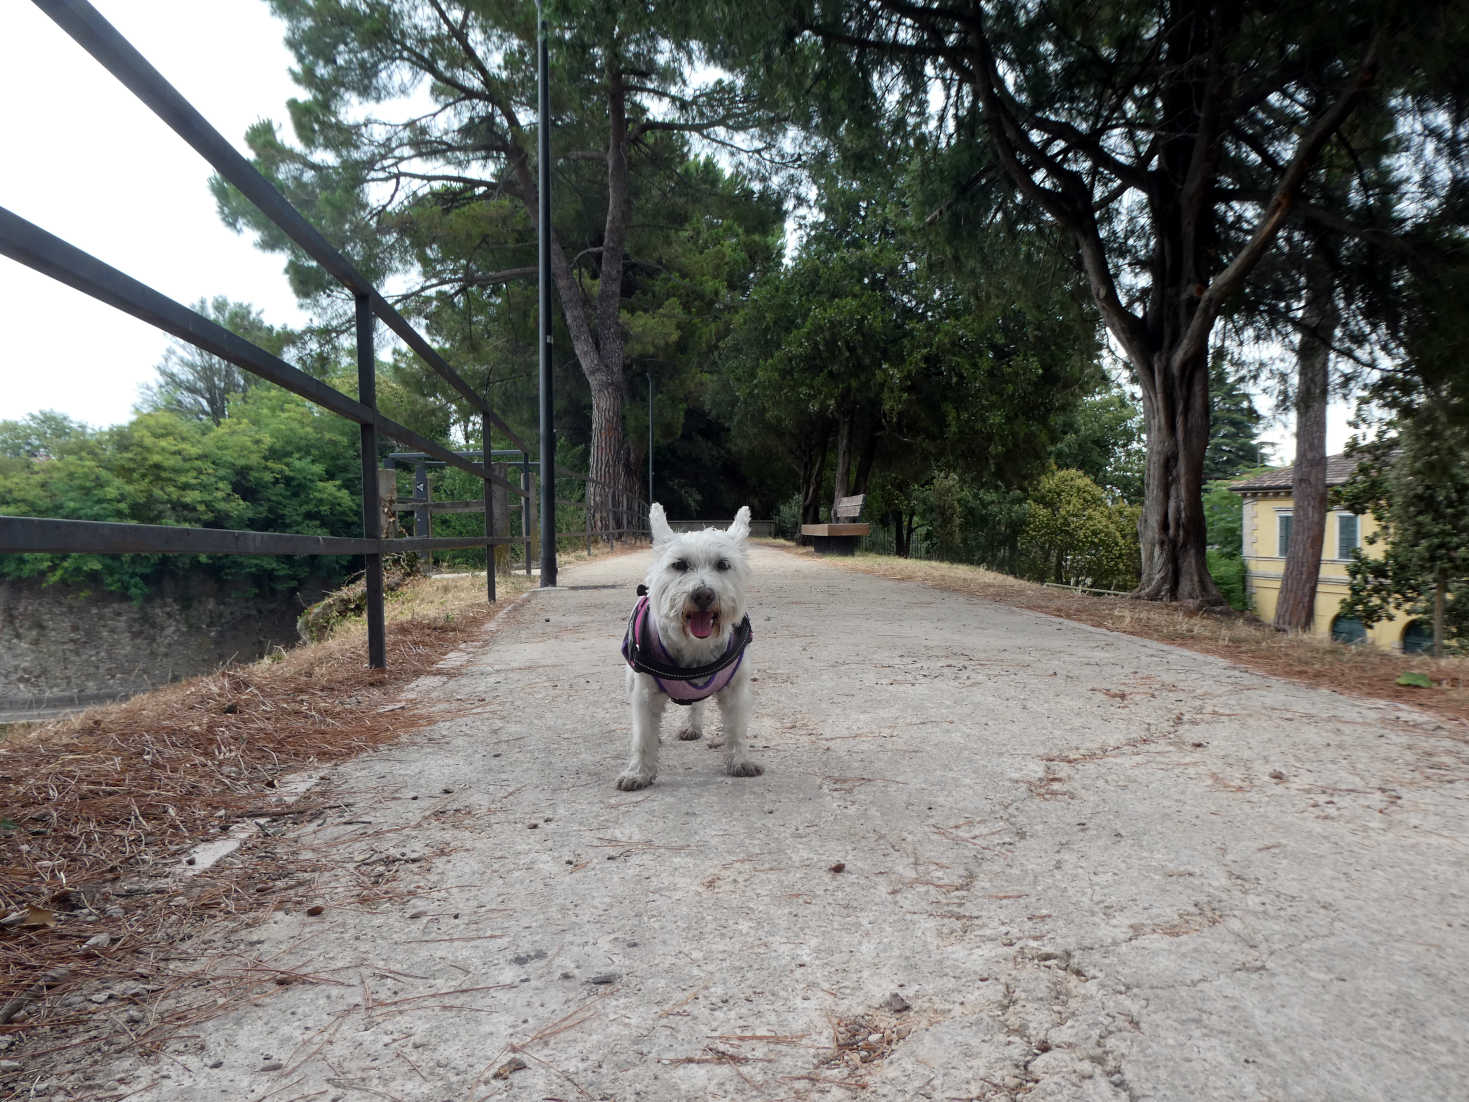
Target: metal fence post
{"type": "Point", "coordinates": [527, 509]}
{"type": "Point", "coordinates": [532, 544]}
{"type": "Point", "coordinates": [377, 650]}
{"type": "Point", "coordinates": [484, 424]}
{"type": "Point", "coordinates": [423, 524]}
{"type": "Point", "coordinates": [546, 404]}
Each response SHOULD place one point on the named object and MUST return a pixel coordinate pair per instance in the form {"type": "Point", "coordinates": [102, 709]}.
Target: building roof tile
{"type": "Point", "coordinates": [1338, 469]}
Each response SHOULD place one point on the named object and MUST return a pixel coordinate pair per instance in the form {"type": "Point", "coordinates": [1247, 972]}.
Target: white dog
{"type": "Point", "coordinates": [686, 640]}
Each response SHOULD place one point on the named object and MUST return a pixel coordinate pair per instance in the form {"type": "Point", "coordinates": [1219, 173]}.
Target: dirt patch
{"type": "Point", "coordinates": [861, 1042]}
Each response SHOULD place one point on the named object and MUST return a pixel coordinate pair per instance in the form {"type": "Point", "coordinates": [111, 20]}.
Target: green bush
{"type": "Point", "coordinates": [787, 519]}
{"type": "Point", "coordinates": [275, 464]}
{"type": "Point", "coordinates": [1072, 535]}
{"type": "Point", "coordinates": [1229, 575]}
{"type": "Point", "coordinates": [1223, 516]}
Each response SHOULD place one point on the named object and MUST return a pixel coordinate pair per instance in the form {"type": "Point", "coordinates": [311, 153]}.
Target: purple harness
{"type": "Point", "coordinates": [682, 684]}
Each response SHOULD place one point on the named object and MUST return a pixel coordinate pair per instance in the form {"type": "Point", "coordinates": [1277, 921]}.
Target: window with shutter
{"type": "Point", "coordinates": [1282, 534]}
{"type": "Point", "coordinates": [1346, 535]}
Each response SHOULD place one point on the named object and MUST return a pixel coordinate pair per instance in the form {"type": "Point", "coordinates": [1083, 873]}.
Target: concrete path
{"type": "Point", "coordinates": [993, 855]}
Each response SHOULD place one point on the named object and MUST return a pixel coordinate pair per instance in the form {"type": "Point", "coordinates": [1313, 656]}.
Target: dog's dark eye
{"type": "Point", "coordinates": [680, 565]}
{"type": "Point", "coordinates": [722, 564]}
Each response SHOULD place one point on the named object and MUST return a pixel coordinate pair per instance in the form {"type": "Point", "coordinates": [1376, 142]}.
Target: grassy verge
{"type": "Point", "coordinates": [1239, 637]}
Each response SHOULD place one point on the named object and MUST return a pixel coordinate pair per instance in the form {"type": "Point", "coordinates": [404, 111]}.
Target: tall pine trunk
{"type": "Point", "coordinates": [612, 492]}
{"type": "Point", "coordinates": [1171, 529]}
{"type": "Point", "coordinates": [1296, 606]}
{"type": "Point", "coordinates": [594, 324]}
{"type": "Point", "coordinates": [813, 470]}
{"type": "Point", "coordinates": [843, 461]}
{"type": "Point", "coordinates": [1186, 279]}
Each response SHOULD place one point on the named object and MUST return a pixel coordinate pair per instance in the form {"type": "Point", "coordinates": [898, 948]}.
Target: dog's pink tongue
{"type": "Point", "coordinates": [701, 624]}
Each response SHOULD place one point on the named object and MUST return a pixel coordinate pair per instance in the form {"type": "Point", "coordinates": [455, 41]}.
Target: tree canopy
{"type": "Point", "coordinates": [805, 249]}
{"type": "Point", "coordinates": [275, 464]}
{"type": "Point", "coordinates": [870, 353]}
{"type": "Point", "coordinates": [198, 384]}
{"type": "Point", "coordinates": [1170, 143]}
{"type": "Point", "coordinates": [1413, 478]}
{"type": "Point", "coordinates": [416, 147]}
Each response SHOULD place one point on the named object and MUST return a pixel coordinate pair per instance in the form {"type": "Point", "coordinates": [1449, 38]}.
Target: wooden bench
{"type": "Point", "coordinates": [842, 535]}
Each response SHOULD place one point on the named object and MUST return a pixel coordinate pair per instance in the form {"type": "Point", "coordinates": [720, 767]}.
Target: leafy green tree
{"type": "Point", "coordinates": [39, 435]}
{"type": "Point", "coordinates": [1224, 522]}
{"type": "Point", "coordinates": [871, 364]}
{"type": "Point", "coordinates": [1104, 440]}
{"type": "Point", "coordinates": [1074, 536]}
{"type": "Point", "coordinates": [275, 463]}
{"type": "Point", "coordinates": [1413, 473]}
{"type": "Point", "coordinates": [818, 339]}
{"type": "Point", "coordinates": [946, 503]}
{"type": "Point", "coordinates": [198, 384]}
{"type": "Point", "coordinates": [449, 193]}
{"type": "Point", "coordinates": [1224, 516]}
{"type": "Point", "coordinates": [1170, 143]}
{"type": "Point", "coordinates": [149, 472]}
{"type": "Point", "coordinates": [1234, 424]}
{"type": "Point", "coordinates": [1413, 478]}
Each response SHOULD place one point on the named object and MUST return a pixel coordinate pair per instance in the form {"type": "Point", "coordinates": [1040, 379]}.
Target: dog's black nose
{"type": "Point", "coordinates": [702, 597]}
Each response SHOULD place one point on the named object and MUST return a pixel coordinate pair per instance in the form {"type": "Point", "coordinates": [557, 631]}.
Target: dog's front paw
{"type": "Point", "coordinates": [745, 768]}
{"type": "Point", "coordinates": [631, 782]}
{"type": "Point", "coordinates": [689, 734]}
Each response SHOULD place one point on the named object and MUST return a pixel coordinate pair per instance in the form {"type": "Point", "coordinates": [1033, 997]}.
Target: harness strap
{"type": "Point", "coordinates": [633, 650]}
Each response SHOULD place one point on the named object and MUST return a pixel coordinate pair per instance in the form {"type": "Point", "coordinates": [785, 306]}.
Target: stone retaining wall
{"type": "Point", "coordinates": [59, 645]}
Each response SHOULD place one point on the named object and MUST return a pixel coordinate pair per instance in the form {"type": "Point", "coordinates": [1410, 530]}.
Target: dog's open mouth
{"type": "Point", "coordinates": [701, 623]}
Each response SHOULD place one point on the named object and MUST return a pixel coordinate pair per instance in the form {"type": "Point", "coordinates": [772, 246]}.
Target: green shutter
{"type": "Point", "coordinates": [1282, 523]}
{"type": "Point", "coordinates": [1346, 535]}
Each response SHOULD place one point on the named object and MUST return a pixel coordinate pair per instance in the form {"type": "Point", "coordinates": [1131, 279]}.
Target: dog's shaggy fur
{"type": "Point", "coordinates": [696, 599]}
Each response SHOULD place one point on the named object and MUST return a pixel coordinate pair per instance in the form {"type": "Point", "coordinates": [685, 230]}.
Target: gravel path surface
{"type": "Point", "coordinates": [993, 855]}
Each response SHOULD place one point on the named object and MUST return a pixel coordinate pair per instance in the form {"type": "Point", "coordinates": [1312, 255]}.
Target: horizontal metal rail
{"type": "Point", "coordinates": [46, 535]}
{"type": "Point", "coordinates": [412, 505]}
{"type": "Point", "coordinates": [51, 256]}
{"type": "Point", "coordinates": [1087, 589]}
{"type": "Point", "coordinates": [396, 458]}
{"type": "Point", "coordinates": [443, 543]}
{"type": "Point", "coordinates": [119, 57]}
{"type": "Point", "coordinates": [46, 253]}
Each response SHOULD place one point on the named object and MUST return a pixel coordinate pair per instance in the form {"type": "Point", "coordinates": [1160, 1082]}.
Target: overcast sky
{"type": "Point", "coordinates": [90, 164]}
{"type": "Point", "coordinates": [101, 172]}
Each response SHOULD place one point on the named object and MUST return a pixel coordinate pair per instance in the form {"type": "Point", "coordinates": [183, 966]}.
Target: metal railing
{"type": "Point", "coordinates": [48, 254]}
{"type": "Point", "coordinates": [627, 514]}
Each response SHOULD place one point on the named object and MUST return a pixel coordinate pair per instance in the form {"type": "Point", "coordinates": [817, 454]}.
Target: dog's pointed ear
{"type": "Point", "coordinates": [740, 529]}
{"type": "Point", "coordinates": [658, 524]}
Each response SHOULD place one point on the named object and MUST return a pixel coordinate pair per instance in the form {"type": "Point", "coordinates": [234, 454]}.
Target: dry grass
{"type": "Point", "coordinates": [98, 810]}
{"type": "Point", "coordinates": [1359, 671]}
{"type": "Point", "coordinates": [100, 807]}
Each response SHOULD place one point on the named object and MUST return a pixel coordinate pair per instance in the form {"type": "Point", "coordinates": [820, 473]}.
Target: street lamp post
{"type": "Point", "coordinates": [547, 409]}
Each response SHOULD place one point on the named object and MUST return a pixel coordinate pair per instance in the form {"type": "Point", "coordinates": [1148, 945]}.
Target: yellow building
{"type": "Point", "coordinates": [1269, 511]}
